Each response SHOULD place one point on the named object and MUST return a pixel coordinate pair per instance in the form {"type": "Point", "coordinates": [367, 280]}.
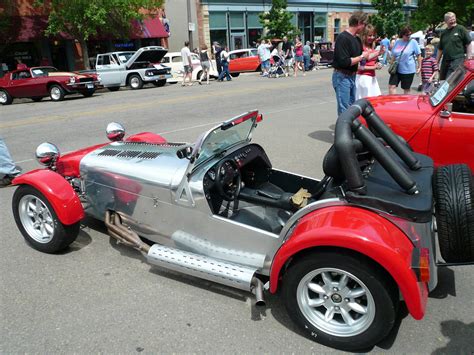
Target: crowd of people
{"type": "Point", "coordinates": [356, 58]}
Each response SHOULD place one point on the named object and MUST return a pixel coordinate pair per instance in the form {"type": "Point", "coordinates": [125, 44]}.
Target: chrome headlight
{"type": "Point", "coordinates": [47, 154]}
{"type": "Point", "coordinates": [115, 131]}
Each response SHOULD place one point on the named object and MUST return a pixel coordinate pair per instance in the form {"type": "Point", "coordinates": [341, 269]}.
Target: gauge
{"type": "Point", "coordinates": [212, 174]}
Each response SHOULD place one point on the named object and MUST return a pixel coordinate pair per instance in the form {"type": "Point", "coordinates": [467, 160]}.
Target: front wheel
{"type": "Point", "coordinates": [340, 300]}
{"type": "Point", "coordinates": [135, 82]}
{"type": "Point", "coordinates": [39, 224]}
{"type": "Point", "coordinates": [56, 93]}
{"type": "Point", "coordinates": [88, 93]}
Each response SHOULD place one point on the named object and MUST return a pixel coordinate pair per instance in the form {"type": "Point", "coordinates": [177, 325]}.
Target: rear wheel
{"type": "Point", "coordinates": [37, 98]}
{"type": "Point", "coordinates": [5, 97]}
{"type": "Point", "coordinates": [56, 93]}
{"type": "Point", "coordinates": [454, 195]}
{"type": "Point", "coordinates": [39, 224]}
{"type": "Point", "coordinates": [114, 88]}
{"type": "Point", "coordinates": [234, 75]}
{"type": "Point", "coordinates": [159, 83]}
{"type": "Point", "coordinates": [340, 300]}
{"type": "Point", "coordinates": [135, 81]}
{"type": "Point", "coordinates": [88, 93]}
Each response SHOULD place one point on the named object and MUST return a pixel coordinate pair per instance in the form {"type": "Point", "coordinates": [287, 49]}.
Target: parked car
{"type": "Point", "coordinates": [132, 68]}
{"type": "Point", "coordinates": [440, 124]}
{"type": "Point", "coordinates": [243, 60]}
{"type": "Point", "coordinates": [174, 61]}
{"type": "Point", "coordinates": [39, 82]}
{"type": "Point", "coordinates": [343, 250]}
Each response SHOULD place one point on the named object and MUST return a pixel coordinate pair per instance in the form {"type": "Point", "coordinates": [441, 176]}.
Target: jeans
{"type": "Point", "coordinates": [449, 66]}
{"type": "Point", "coordinates": [345, 88]}
{"type": "Point", "coordinates": [7, 166]}
{"type": "Point", "coordinates": [225, 71]}
{"type": "Point", "coordinates": [306, 60]}
{"type": "Point", "coordinates": [385, 57]}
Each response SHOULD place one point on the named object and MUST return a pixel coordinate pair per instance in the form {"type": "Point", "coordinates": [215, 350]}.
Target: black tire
{"type": "Point", "coordinates": [114, 88]}
{"type": "Point", "coordinates": [88, 93]}
{"type": "Point", "coordinates": [135, 81]}
{"type": "Point", "coordinates": [234, 75]}
{"type": "Point", "coordinates": [37, 98]}
{"type": "Point", "coordinates": [381, 300]}
{"type": "Point", "coordinates": [159, 83]}
{"type": "Point", "coordinates": [5, 97]}
{"type": "Point", "coordinates": [56, 93]}
{"type": "Point", "coordinates": [62, 235]}
{"type": "Point", "coordinates": [454, 196]}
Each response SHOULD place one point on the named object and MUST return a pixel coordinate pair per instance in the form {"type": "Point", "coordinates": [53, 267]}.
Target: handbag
{"type": "Point", "coordinates": [393, 67]}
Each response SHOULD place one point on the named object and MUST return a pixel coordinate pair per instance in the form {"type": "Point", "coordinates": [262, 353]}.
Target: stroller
{"type": "Point", "coordinates": [277, 68]}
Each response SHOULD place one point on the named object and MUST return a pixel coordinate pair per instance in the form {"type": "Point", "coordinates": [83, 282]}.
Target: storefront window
{"type": "Point", "coordinates": [237, 20]}
{"type": "Point", "coordinates": [217, 20]}
{"type": "Point", "coordinates": [254, 36]}
{"type": "Point", "coordinates": [219, 36]}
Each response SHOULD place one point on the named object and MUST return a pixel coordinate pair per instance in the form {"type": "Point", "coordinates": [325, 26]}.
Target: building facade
{"type": "Point", "coordinates": [236, 23]}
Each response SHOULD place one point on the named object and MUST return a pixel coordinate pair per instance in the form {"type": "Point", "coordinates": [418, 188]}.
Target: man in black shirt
{"type": "Point", "coordinates": [347, 56]}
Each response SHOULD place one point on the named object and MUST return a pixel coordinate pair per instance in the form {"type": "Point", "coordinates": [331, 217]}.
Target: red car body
{"type": "Point", "coordinates": [244, 60]}
{"type": "Point", "coordinates": [444, 131]}
{"type": "Point", "coordinates": [38, 82]}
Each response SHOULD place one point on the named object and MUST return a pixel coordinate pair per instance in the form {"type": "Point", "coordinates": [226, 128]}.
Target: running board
{"type": "Point", "coordinates": [204, 267]}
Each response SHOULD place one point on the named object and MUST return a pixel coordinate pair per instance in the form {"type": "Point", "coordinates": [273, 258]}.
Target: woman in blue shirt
{"type": "Point", "coordinates": [407, 65]}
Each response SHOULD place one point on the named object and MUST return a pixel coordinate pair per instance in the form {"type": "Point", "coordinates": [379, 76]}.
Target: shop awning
{"type": "Point", "coordinates": [149, 28]}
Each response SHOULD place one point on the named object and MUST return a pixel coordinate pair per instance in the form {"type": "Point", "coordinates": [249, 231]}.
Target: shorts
{"type": "Point", "coordinates": [405, 79]}
{"type": "Point", "coordinates": [188, 69]}
{"type": "Point", "coordinates": [206, 65]}
{"type": "Point", "coordinates": [265, 64]}
{"type": "Point", "coordinates": [299, 58]}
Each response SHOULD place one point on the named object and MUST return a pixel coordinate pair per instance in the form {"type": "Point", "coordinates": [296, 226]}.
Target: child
{"type": "Point", "coordinates": [429, 69]}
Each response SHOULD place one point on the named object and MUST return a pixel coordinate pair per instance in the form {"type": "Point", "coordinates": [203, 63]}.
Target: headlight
{"type": "Point", "coordinates": [72, 79]}
{"type": "Point", "coordinates": [47, 154]}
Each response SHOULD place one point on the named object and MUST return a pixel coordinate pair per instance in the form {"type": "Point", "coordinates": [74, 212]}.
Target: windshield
{"type": "Point", "coordinates": [225, 136]}
{"type": "Point", "coordinates": [439, 94]}
{"type": "Point", "coordinates": [125, 56]}
{"type": "Point", "coordinates": [43, 71]}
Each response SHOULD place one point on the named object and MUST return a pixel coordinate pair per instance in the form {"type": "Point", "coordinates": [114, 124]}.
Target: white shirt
{"type": "Point", "coordinates": [224, 55]}
{"type": "Point", "coordinates": [186, 55]}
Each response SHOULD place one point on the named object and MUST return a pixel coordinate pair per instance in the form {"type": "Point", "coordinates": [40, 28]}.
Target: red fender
{"type": "Point", "coordinates": [364, 232]}
{"type": "Point", "coordinates": [58, 191]}
{"type": "Point", "coordinates": [146, 137]}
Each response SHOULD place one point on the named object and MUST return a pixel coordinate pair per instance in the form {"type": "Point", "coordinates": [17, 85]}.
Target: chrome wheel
{"type": "Point", "coordinates": [55, 93]}
{"type": "Point", "coordinates": [3, 97]}
{"type": "Point", "coordinates": [336, 302]}
{"type": "Point", "coordinates": [36, 218]}
{"type": "Point", "coordinates": [135, 82]}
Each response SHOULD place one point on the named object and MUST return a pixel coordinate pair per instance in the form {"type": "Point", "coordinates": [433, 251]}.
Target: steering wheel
{"type": "Point", "coordinates": [228, 179]}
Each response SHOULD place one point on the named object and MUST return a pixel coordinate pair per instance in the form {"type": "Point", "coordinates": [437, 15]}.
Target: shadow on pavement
{"type": "Point", "coordinates": [460, 337]}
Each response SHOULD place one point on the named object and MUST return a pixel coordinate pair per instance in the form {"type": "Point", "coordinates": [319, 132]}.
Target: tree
{"type": "Point", "coordinates": [278, 21]}
{"type": "Point", "coordinates": [431, 12]}
{"type": "Point", "coordinates": [389, 18]}
{"type": "Point", "coordinates": [83, 19]}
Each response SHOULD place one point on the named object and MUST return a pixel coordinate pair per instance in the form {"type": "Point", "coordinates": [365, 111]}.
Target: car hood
{"type": "Point", "coordinates": [66, 73]}
{"type": "Point", "coordinates": [404, 114]}
{"type": "Point", "coordinates": [152, 54]}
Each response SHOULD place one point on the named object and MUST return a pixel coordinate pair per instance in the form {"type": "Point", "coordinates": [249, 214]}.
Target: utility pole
{"type": "Point", "coordinates": [190, 33]}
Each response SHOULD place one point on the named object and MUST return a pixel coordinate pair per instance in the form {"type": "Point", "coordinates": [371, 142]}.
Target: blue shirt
{"type": "Point", "coordinates": [406, 64]}
{"type": "Point", "coordinates": [385, 42]}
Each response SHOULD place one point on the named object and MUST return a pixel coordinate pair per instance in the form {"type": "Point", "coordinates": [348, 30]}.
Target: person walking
{"type": "Point", "coordinates": [263, 52]}
{"type": "Point", "coordinates": [287, 49]}
{"type": "Point", "coordinates": [404, 52]}
{"type": "Point", "coordinates": [225, 65]}
{"type": "Point", "coordinates": [187, 64]}
{"type": "Point", "coordinates": [453, 45]}
{"type": "Point", "coordinates": [385, 44]}
{"type": "Point", "coordinates": [429, 69]}
{"type": "Point", "coordinates": [216, 50]}
{"type": "Point", "coordinates": [299, 62]}
{"type": "Point", "coordinates": [347, 55]}
{"type": "Point", "coordinates": [366, 81]}
{"type": "Point", "coordinates": [8, 169]}
{"type": "Point", "coordinates": [307, 55]}
{"type": "Point", "coordinates": [205, 64]}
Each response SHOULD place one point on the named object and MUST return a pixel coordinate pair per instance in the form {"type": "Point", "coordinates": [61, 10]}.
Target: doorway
{"type": "Point", "coordinates": [238, 40]}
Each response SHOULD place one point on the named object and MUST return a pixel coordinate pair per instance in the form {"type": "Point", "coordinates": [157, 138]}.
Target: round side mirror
{"type": "Point", "coordinates": [47, 154]}
{"type": "Point", "coordinates": [115, 131]}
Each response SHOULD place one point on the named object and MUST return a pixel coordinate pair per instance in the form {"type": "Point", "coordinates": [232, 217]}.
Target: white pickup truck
{"type": "Point", "coordinates": [132, 69]}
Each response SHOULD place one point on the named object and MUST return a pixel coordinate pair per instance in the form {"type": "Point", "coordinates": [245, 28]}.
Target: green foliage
{"type": "Point", "coordinates": [431, 12]}
{"type": "Point", "coordinates": [278, 21]}
{"type": "Point", "coordinates": [389, 18]}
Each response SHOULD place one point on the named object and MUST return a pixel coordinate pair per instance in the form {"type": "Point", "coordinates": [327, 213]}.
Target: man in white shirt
{"type": "Point", "coordinates": [263, 51]}
{"type": "Point", "coordinates": [187, 64]}
{"type": "Point", "coordinates": [225, 65]}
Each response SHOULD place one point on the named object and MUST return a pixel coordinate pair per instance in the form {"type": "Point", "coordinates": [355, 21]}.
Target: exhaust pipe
{"type": "Point", "coordinates": [124, 235]}
{"type": "Point", "coordinates": [257, 290]}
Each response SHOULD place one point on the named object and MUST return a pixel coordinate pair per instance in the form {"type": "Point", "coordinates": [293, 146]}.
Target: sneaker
{"type": "Point", "coordinates": [7, 180]}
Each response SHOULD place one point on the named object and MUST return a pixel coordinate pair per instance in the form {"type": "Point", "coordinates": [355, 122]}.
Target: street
{"type": "Point", "coordinates": [100, 297]}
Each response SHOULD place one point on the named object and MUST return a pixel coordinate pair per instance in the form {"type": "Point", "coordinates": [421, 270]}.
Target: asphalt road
{"type": "Point", "coordinates": [98, 297]}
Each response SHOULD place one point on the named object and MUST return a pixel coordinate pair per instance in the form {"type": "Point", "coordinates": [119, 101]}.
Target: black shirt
{"type": "Point", "coordinates": [347, 46]}
{"type": "Point", "coordinates": [287, 47]}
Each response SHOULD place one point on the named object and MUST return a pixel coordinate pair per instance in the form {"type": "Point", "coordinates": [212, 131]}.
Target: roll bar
{"type": "Point", "coordinates": [348, 125]}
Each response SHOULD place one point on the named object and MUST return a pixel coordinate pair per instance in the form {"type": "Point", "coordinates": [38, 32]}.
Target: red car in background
{"type": "Point", "coordinates": [243, 60]}
{"type": "Point", "coordinates": [39, 82]}
{"type": "Point", "coordinates": [440, 124]}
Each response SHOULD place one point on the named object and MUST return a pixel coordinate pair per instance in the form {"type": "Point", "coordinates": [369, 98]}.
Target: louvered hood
{"type": "Point", "coordinates": [126, 165]}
